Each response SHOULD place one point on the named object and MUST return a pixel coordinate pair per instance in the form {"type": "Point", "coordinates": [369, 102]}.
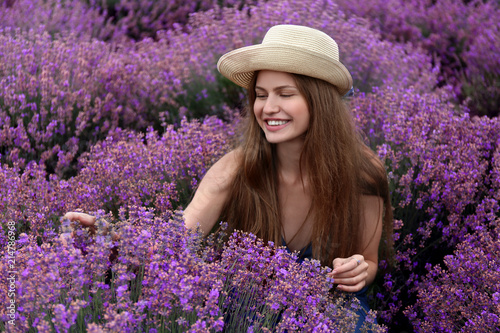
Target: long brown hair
{"type": "Point", "coordinates": [339, 168]}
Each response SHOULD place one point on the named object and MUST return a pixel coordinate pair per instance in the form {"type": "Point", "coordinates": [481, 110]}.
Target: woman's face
{"type": "Point", "coordinates": [280, 109]}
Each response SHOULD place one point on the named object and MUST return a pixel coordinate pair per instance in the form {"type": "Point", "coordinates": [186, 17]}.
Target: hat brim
{"type": "Point", "coordinates": [240, 65]}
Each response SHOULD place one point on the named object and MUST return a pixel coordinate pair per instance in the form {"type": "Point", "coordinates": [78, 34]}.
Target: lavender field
{"type": "Point", "coordinates": [115, 108]}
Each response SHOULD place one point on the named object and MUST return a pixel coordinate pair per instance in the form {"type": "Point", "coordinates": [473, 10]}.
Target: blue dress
{"type": "Point", "coordinates": [306, 253]}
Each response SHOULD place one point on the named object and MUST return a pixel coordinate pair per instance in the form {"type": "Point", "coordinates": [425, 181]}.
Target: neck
{"type": "Point", "coordinates": [289, 167]}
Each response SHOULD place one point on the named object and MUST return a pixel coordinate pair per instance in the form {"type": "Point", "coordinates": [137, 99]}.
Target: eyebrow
{"type": "Point", "coordinates": [277, 88]}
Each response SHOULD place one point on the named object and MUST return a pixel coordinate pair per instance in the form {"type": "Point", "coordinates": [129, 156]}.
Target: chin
{"type": "Point", "coordinates": [274, 139]}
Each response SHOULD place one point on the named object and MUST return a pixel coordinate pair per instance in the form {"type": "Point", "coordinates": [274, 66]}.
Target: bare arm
{"type": "Point", "coordinates": [353, 273]}
{"type": "Point", "coordinates": [212, 193]}
{"type": "Point", "coordinates": [207, 203]}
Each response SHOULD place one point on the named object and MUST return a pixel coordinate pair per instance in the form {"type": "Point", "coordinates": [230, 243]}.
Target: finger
{"type": "Point", "coordinates": [348, 274]}
{"type": "Point", "coordinates": [352, 277]}
{"type": "Point", "coordinates": [347, 266]}
{"type": "Point", "coordinates": [69, 216]}
{"type": "Point", "coordinates": [337, 262]}
{"type": "Point", "coordinates": [72, 216]}
{"type": "Point", "coordinates": [352, 288]}
{"type": "Point", "coordinates": [361, 270]}
{"type": "Point", "coordinates": [84, 219]}
{"type": "Point", "coordinates": [354, 260]}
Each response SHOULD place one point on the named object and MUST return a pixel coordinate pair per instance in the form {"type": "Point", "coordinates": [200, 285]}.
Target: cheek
{"type": "Point", "coordinates": [257, 110]}
{"type": "Point", "coordinates": [306, 115]}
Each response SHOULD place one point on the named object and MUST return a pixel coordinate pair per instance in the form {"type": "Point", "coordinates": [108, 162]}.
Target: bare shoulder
{"type": "Point", "coordinates": [222, 173]}
{"type": "Point", "coordinates": [212, 193]}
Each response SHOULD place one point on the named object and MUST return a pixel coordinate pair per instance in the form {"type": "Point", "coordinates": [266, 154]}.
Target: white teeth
{"type": "Point", "coordinates": [276, 122]}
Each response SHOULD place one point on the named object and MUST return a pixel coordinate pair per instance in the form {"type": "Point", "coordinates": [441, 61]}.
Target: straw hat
{"type": "Point", "coordinates": [292, 49]}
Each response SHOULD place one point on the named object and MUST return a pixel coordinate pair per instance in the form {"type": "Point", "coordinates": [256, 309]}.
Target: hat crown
{"type": "Point", "coordinates": [303, 37]}
{"type": "Point", "coordinates": [290, 49]}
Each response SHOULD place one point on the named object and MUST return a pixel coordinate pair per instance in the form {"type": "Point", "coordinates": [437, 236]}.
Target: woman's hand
{"type": "Point", "coordinates": [67, 230]}
{"type": "Point", "coordinates": [350, 274]}
{"type": "Point", "coordinates": [101, 226]}
{"type": "Point", "coordinates": [358, 271]}
{"type": "Point", "coordinates": [85, 220]}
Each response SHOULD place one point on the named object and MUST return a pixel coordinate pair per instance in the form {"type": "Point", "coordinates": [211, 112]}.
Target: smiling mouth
{"type": "Point", "coordinates": [276, 122]}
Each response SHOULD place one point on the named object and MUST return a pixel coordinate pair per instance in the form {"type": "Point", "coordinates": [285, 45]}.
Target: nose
{"type": "Point", "coordinates": [271, 105]}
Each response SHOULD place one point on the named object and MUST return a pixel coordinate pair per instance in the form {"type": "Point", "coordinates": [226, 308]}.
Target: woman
{"type": "Point", "coordinates": [301, 177]}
